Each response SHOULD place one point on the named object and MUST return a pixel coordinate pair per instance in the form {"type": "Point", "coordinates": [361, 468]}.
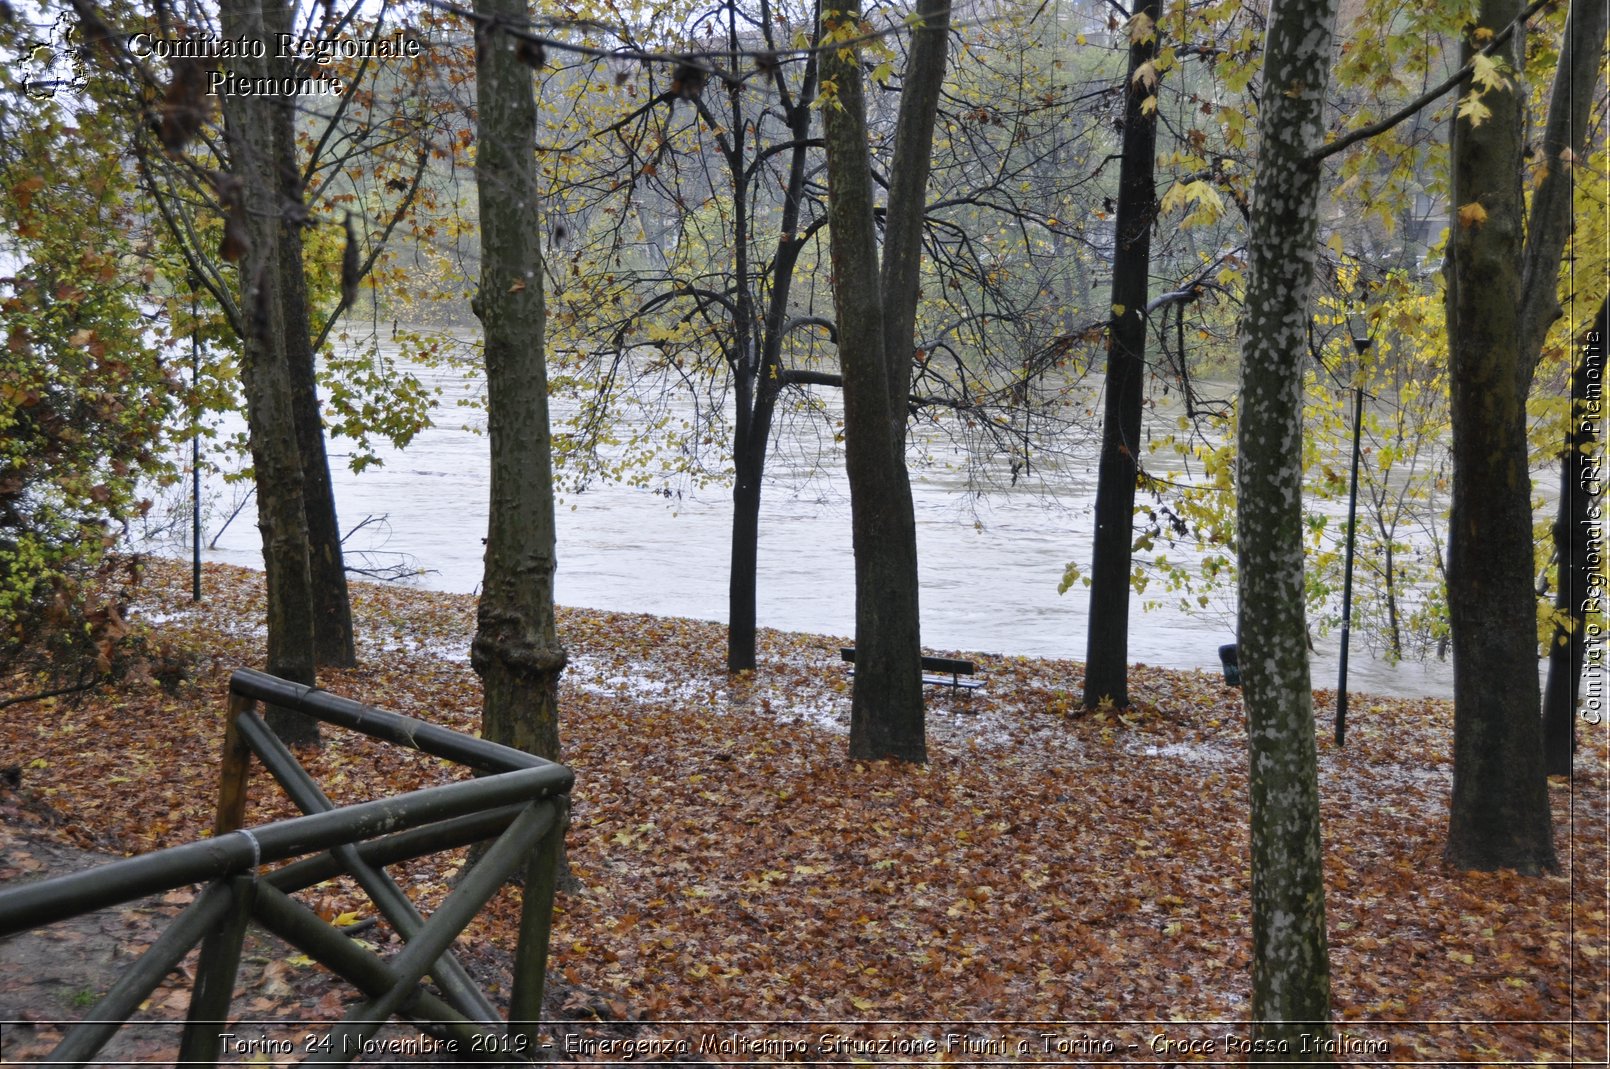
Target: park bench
{"type": "Point", "coordinates": [937, 671]}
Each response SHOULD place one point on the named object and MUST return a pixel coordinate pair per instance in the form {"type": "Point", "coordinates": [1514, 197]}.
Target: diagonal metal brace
{"type": "Point", "coordinates": [84, 1040]}
{"type": "Point", "coordinates": [368, 972]}
{"type": "Point", "coordinates": [449, 975]}
{"type": "Point", "coordinates": [512, 849]}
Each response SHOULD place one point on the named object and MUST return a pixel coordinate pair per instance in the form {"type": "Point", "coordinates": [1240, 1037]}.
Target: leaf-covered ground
{"type": "Point", "coordinates": [1088, 871]}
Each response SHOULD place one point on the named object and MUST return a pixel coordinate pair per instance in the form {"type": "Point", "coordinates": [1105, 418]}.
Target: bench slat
{"type": "Point", "coordinates": [952, 665]}
{"type": "Point", "coordinates": [951, 681]}
{"type": "Point", "coordinates": [929, 664]}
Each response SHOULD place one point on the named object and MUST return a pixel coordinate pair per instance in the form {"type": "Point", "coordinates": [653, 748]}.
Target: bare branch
{"type": "Point", "coordinates": [1431, 95]}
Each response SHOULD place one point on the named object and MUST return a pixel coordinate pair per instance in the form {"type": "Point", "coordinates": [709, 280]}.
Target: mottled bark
{"type": "Point", "coordinates": [886, 709]}
{"type": "Point", "coordinates": [1290, 969]}
{"type": "Point", "coordinates": [1107, 627]}
{"type": "Point", "coordinates": [1499, 814]}
{"type": "Point", "coordinates": [1579, 516]}
{"type": "Point", "coordinates": [516, 650]}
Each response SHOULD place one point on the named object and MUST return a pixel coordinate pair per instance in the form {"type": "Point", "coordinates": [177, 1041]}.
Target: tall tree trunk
{"type": "Point", "coordinates": [886, 708]}
{"type": "Point", "coordinates": [516, 650]}
{"type": "Point", "coordinates": [744, 562]}
{"type": "Point", "coordinates": [748, 456]}
{"type": "Point", "coordinates": [1107, 629]}
{"type": "Point", "coordinates": [333, 644]}
{"type": "Point", "coordinates": [1577, 516]}
{"type": "Point", "coordinates": [749, 468]}
{"type": "Point", "coordinates": [759, 385]}
{"type": "Point", "coordinates": [1562, 144]}
{"type": "Point", "coordinates": [1499, 815]}
{"type": "Point", "coordinates": [900, 277]}
{"type": "Point", "coordinates": [252, 199]}
{"type": "Point", "coordinates": [751, 440]}
{"type": "Point", "coordinates": [1291, 967]}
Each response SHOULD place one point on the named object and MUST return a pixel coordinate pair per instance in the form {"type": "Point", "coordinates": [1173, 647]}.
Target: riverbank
{"type": "Point", "coordinates": [1046, 865]}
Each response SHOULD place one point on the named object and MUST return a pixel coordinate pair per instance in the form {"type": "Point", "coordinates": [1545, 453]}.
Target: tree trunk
{"type": "Point", "coordinates": [252, 193]}
{"type": "Point", "coordinates": [886, 709]}
{"type": "Point", "coordinates": [749, 461]}
{"type": "Point", "coordinates": [758, 385]}
{"type": "Point", "coordinates": [333, 644]}
{"type": "Point", "coordinates": [749, 468]}
{"type": "Point", "coordinates": [748, 454]}
{"type": "Point", "coordinates": [1499, 814]}
{"type": "Point", "coordinates": [1573, 577]}
{"type": "Point", "coordinates": [757, 401]}
{"type": "Point", "coordinates": [516, 650]}
{"type": "Point", "coordinates": [900, 277]}
{"type": "Point", "coordinates": [1563, 144]}
{"type": "Point", "coordinates": [1290, 969]}
{"type": "Point", "coordinates": [1107, 629]}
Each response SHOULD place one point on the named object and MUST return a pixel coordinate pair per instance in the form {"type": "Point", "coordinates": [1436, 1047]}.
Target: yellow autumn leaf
{"type": "Point", "coordinates": [346, 920]}
{"type": "Point", "coordinates": [1118, 309]}
{"type": "Point", "coordinates": [1471, 107]}
{"type": "Point", "coordinates": [1173, 198]}
{"type": "Point", "coordinates": [1488, 72]}
{"type": "Point", "coordinates": [1472, 214]}
{"type": "Point", "coordinates": [862, 1004]}
{"type": "Point", "coordinates": [1209, 205]}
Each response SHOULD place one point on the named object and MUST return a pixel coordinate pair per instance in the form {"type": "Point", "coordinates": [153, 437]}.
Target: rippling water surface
{"type": "Point", "coordinates": [990, 565]}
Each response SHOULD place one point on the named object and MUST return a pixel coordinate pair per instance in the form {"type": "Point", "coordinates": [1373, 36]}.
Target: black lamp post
{"type": "Point", "coordinates": [195, 446]}
{"type": "Point", "coordinates": [1361, 342]}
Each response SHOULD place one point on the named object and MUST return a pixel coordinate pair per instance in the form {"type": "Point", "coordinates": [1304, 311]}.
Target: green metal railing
{"type": "Point", "coordinates": [520, 799]}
